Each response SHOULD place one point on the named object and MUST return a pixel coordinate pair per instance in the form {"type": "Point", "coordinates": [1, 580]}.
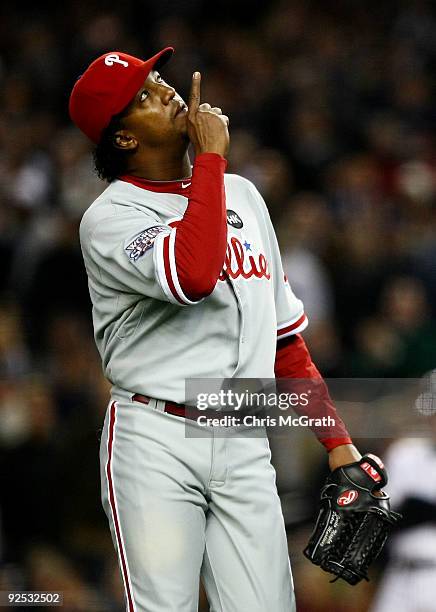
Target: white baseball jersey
{"type": "Point", "coordinates": [150, 336]}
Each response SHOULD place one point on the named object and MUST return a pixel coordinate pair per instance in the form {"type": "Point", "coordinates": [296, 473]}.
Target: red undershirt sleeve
{"type": "Point", "coordinates": [194, 251]}
{"type": "Point", "coordinates": [293, 360]}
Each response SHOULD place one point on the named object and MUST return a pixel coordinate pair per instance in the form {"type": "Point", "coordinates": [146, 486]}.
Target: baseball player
{"type": "Point", "coordinates": [186, 281]}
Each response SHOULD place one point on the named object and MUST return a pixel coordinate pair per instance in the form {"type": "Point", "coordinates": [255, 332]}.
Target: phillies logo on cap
{"type": "Point", "coordinates": [114, 58]}
{"type": "Point", "coordinates": [347, 498]}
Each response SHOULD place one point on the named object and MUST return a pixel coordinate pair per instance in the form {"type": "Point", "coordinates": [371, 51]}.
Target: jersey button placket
{"type": "Point", "coordinates": [239, 302]}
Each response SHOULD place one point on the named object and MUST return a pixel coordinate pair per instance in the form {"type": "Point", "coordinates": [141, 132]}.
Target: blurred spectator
{"type": "Point", "coordinates": [14, 353]}
{"type": "Point", "coordinates": [29, 467]}
{"type": "Point", "coordinates": [50, 571]}
{"type": "Point", "coordinates": [58, 284]}
{"type": "Point", "coordinates": [304, 235]}
{"type": "Point", "coordinates": [400, 341]}
{"type": "Point", "coordinates": [405, 305]}
{"type": "Point", "coordinates": [379, 350]}
{"type": "Point", "coordinates": [77, 185]}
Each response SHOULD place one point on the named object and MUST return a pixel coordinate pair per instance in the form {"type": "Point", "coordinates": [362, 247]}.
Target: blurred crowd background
{"type": "Point", "coordinates": [332, 108]}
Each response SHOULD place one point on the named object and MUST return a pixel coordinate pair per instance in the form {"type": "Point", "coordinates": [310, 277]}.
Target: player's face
{"type": "Point", "coordinates": [157, 114]}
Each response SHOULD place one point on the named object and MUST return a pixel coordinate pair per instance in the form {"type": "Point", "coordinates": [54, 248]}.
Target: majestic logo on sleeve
{"type": "Point", "coordinates": [240, 260]}
{"type": "Point", "coordinates": [234, 219]}
{"type": "Point", "coordinates": [143, 242]}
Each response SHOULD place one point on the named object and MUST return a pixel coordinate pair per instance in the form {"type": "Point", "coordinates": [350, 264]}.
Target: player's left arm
{"type": "Point", "coordinates": [293, 360]}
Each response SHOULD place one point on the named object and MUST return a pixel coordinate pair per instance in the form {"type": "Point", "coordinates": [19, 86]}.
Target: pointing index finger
{"type": "Point", "coordinates": [194, 95]}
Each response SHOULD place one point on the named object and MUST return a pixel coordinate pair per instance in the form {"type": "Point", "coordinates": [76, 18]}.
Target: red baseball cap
{"type": "Point", "coordinates": [106, 88]}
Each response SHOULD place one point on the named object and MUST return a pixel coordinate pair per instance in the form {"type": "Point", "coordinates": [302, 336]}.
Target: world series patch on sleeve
{"type": "Point", "coordinates": [354, 520]}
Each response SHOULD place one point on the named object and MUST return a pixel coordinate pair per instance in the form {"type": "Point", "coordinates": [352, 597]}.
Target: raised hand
{"type": "Point", "coordinates": [207, 126]}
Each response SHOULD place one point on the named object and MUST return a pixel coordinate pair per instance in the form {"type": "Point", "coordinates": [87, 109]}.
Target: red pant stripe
{"type": "Point", "coordinates": [113, 505]}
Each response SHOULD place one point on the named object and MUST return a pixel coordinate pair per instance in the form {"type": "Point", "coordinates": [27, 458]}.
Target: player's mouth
{"type": "Point", "coordinates": [181, 108]}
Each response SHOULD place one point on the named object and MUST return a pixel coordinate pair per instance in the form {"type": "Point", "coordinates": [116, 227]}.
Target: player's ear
{"type": "Point", "coordinates": [124, 140]}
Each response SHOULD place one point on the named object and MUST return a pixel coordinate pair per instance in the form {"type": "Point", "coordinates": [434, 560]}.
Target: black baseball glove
{"type": "Point", "coordinates": [354, 520]}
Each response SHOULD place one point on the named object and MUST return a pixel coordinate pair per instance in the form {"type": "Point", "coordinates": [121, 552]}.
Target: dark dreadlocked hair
{"type": "Point", "coordinates": [110, 161]}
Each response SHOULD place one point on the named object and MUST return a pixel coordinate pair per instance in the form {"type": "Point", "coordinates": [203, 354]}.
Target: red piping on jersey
{"type": "Point", "coordinates": [167, 266]}
{"type": "Point", "coordinates": [113, 505]}
{"type": "Point", "coordinates": [293, 360]}
{"type": "Point", "coordinates": [290, 328]}
{"type": "Point", "coordinates": [201, 238]}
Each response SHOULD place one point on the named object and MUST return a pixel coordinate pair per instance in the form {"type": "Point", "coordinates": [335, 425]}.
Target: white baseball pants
{"type": "Point", "coordinates": [179, 507]}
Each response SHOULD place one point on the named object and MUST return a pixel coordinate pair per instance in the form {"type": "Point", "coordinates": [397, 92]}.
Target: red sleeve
{"type": "Point", "coordinates": [293, 361]}
{"type": "Point", "coordinates": [201, 236]}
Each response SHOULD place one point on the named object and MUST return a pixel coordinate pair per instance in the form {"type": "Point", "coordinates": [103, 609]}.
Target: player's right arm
{"type": "Point", "coordinates": [198, 244]}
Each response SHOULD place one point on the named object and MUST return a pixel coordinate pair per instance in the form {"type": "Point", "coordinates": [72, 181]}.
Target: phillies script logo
{"type": "Point", "coordinates": [238, 262]}
{"type": "Point", "coordinates": [347, 497]}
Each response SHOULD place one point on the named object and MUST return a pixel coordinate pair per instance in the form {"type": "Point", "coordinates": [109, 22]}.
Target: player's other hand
{"type": "Point", "coordinates": [208, 128]}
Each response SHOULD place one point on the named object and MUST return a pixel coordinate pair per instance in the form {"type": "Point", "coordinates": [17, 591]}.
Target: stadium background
{"type": "Point", "coordinates": [332, 116]}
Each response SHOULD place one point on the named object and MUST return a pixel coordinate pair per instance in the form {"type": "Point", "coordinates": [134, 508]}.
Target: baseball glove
{"type": "Point", "coordinates": [354, 520]}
